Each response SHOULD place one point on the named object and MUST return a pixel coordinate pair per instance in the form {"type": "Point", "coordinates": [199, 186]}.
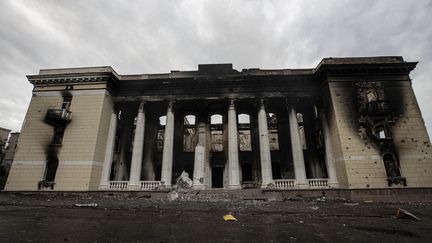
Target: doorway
{"type": "Point", "coordinates": [217, 176]}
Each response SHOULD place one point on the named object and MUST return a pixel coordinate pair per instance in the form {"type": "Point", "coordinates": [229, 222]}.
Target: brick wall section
{"type": "Point", "coordinates": [412, 141]}
{"type": "Point", "coordinates": [101, 142]}
{"type": "Point", "coordinates": [82, 152]}
{"type": "Point", "coordinates": [28, 166]}
{"type": "Point", "coordinates": [81, 156]}
{"type": "Point", "coordinates": [363, 165]}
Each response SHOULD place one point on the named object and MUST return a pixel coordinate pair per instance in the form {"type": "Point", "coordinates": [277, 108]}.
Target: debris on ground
{"type": "Point", "coordinates": [402, 213]}
{"type": "Point", "coordinates": [229, 217]}
{"type": "Point", "coordinates": [321, 199]}
{"type": "Point", "coordinates": [91, 205]}
{"type": "Point", "coordinates": [314, 207]}
{"type": "Point", "coordinates": [183, 181]}
{"type": "Point", "coordinates": [351, 204]}
{"type": "Point", "coordinates": [368, 201]}
{"type": "Point", "coordinates": [172, 195]}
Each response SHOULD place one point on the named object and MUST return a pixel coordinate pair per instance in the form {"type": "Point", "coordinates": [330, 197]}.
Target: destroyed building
{"type": "Point", "coordinates": [348, 123]}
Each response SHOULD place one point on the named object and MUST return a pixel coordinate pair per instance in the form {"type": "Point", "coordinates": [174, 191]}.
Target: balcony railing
{"type": "Point", "coordinates": [318, 183]}
{"type": "Point", "coordinates": [284, 183]}
{"type": "Point", "coordinates": [149, 185]}
{"type": "Point", "coordinates": [118, 185]}
{"type": "Point", "coordinates": [58, 116]}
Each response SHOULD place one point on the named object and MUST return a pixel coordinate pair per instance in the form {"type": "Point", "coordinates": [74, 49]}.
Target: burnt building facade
{"type": "Point", "coordinates": [348, 123]}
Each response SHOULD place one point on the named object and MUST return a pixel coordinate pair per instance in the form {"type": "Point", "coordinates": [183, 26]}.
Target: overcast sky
{"type": "Point", "coordinates": [159, 36]}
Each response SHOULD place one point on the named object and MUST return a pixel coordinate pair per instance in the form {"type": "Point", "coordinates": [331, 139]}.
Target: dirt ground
{"type": "Point", "coordinates": [126, 218]}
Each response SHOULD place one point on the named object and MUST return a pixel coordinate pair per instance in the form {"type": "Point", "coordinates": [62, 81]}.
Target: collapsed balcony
{"type": "Point", "coordinates": [58, 117]}
{"type": "Point", "coordinates": [378, 108]}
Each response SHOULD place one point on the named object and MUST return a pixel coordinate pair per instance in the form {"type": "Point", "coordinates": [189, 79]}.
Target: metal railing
{"type": "Point", "coordinates": [59, 114]}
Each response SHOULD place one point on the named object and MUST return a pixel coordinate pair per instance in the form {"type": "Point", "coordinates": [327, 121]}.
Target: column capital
{"type": "Point", "coordinates": [170, 104]}
{"type": "Point", "coordinates": [141, 106]}
{"type": "Point", "coordinates": [232, 102]}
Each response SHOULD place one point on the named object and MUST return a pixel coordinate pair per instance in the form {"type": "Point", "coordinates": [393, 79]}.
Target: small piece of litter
{"type": "Point", "coordinates": [368, 201]}
{"type": "Point", "coordinates": [402, 213]}
{"type": "Point", "coordinates": [314, 207]}
{"type": "Point", "coordinates": [86, 205]}
{"type": "Point", "coordinates": [301, 221]}
{"type": "Point", "coordinates": [350, 204]}
{"type": "Point", "coordinates": [229, 217]}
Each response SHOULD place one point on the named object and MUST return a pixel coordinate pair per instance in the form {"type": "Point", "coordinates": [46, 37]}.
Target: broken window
{"type": "Point", "coordinates": [67, 101]}
{"type": "Point", "coordinates": [189, 132]}
{"type": "Point", "coordinates": [57, 138]}
{"type": "Point", "coordinates": [161, 133]}
{"type": "Point", "coordinates": [391, 165]}
{"type": "Point", "coordinates": [244, 132]}
{"type": "Point", "coordinates": [216, 132]}
{"type": "Point", "coordinates": [273, 131]}
{"type": "Point", "coordinates": [50, 170]}
{"type": "Point", "coordinates": [301, 131]}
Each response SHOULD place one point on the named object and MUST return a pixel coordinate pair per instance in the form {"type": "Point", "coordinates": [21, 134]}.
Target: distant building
{"type": "Point", "coordinates": [4, 135]}
{"type": "Point", "coordinates": [10, 151]}
{"type": "Point", "coordinates": [349, 123]}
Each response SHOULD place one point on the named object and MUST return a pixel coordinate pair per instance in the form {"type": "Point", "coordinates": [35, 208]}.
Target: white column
{"type": "Point", "coordinates": [109, 150]}
{"type": "Point", "coordinates": [200, 157]}
{"type": "Point", "coordinates": [137, 150]}
{"type": "Point", "coordinates": [331, 170]}
{"type": "Point", "coordinates": [168, 145]}
{"type": "Point", "coordinates": [297, 149]}
{"type": "Point", "coordinates": [233, 161]}
{"type": "Point", "coordinates": [266, 170]}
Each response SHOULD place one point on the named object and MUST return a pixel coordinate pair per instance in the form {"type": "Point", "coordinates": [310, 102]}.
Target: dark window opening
{"type": "Point", "coordinates": [247, 172]}
{"type": "Point", "coordinates": [276, 170]}
{"type": "Point", "coordinates": [216, 133]}
{"type": "Point", "coordinates": [244, 132]}
{"type": "Point", "coordinates": [57, 138]}
{"type": "Point", "coordinates": [50, 170]}
{"type": "Point", "coordinates": [67, 101]}
{"type": "Point", "coordinates": [217, 176]}
{"type": "Point", "coordinates": [161, 133]}
{"type": "Point", "coordinates": [189, 134]}
{"type": "Point", "coordinates": [273, 130]}
{"type": "Point", "coordinates": [158, 172]}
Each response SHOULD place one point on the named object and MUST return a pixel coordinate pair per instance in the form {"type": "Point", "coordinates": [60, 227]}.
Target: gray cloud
{"type": "Point", "coordinates": [158, 36]}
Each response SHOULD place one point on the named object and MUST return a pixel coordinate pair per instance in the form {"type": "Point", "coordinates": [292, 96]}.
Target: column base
{"type": "Point", "coordinates": [198, 187]}
{"type": "Point", "coordinates": [333, 184]}
{"type": "Point", "coordinates": [104, 187]}
{"type": "Point", "coordinates": [269, 184]}
{"type": "Point", "coordinates": [234, 187]}
{"type": "Point", "coordinates": [302, 185]}
{"type": "Point", "coordinates": [133, 187]}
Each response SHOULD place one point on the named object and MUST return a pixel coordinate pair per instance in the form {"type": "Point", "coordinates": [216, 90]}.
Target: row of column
{"type": "Point", "coordinates": [233, 154]}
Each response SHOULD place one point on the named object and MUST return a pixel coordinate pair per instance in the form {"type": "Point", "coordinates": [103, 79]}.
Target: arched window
{"type": "Point", "coordinates": [189, 131]}
{"type": "Point", "coordinates": [301, 131]}
{"type": "Point", "coordinates": [161, 132]}
{"type": "Point", "coordinates": [244, 132]}
{"type": "Point", "coordinates": [273, 130]}
{"type": "Point", "coordinates": [216, 132]}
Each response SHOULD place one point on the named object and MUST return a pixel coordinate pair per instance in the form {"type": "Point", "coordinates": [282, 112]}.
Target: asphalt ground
{"type": "Point", "coordinates": [116, 218]}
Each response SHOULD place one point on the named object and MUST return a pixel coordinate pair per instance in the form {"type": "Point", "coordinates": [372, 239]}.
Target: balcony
{"type": "Point", "coordinates": [378, 108]}
{"type": "Point", "coordinates": [284, 183]}
{"type": "Point", "coordinates": [58, 116]}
